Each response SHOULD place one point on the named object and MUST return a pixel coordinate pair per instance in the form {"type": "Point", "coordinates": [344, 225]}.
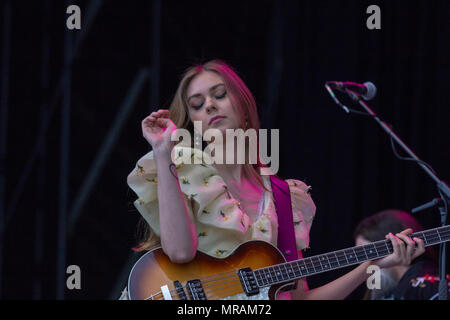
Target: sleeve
{"type": "Point", "coordinates": [303, 211]}
{"type": "Point", "coordinates": [220, 222]}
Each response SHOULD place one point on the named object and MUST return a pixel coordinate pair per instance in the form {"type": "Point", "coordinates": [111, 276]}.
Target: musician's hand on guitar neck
{"type": "Point", "coordinates": [405, 250]}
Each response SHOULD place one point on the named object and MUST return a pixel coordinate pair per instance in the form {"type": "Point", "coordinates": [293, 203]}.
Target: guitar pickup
{"type": "Point", "coordinates": [180, 290]}
{"type": "Point", "coordinates": [195, 290]}
{"type": "Point", "coordinates": [248, 281]}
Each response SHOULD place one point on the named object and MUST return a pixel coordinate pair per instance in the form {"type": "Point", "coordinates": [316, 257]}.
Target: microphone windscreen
{"type": "Point", "coordinates": [371, 91]}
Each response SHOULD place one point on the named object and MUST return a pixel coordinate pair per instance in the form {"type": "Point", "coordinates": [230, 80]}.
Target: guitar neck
{"type": "Point", "coordinates": [297, 269]}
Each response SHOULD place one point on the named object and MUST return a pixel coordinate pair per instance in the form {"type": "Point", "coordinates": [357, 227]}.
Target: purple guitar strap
{"type": "Point", "coordinates": [286, 235]}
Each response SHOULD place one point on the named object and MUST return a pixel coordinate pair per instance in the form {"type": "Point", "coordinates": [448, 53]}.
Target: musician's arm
{"type": "Point", "coordinates": [335, 290]}
{"type": "Point", "coordinates": [178, 235]}
{"type": "Point", "coordinates": [405, 251]}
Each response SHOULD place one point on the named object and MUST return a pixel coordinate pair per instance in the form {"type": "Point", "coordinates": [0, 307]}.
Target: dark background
{"type": "Point", "coordinates": [283, 50]}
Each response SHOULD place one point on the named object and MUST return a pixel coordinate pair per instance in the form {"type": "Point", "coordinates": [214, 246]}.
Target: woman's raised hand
{"type": "Point", "coordinates": [405, 250]}
{"type": "Point", "coordinates": [157, 129]}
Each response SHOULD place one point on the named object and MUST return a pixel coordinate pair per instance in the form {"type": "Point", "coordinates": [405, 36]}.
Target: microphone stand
{"type": "Point", "coordinates": [443, 188]}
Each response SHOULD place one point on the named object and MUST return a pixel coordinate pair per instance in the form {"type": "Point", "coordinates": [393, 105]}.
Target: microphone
{"type": "Point", "coordinates": [367, 90]}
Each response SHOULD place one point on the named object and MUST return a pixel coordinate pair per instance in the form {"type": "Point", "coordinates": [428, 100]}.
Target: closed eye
{"type": "Point", "coordinates": [197, 107]}
{"type": "Point", "coordinates": [221, 96]}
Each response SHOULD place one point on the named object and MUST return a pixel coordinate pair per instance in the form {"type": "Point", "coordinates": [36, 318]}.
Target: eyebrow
{"type": "Point", "coordinates": [210, 89]}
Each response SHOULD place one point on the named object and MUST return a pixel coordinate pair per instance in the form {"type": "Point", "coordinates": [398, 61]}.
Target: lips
{"type": "Point", "coordinates": [214, 119]}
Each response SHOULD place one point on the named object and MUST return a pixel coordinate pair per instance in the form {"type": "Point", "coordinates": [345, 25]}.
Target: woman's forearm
{"type": "Point", "coordinates": [177, 230]}
{"type": "Point", "coordinates": [337, 289]}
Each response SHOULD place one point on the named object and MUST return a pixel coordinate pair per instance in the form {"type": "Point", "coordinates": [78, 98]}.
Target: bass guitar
{"type": "Point", "coordinates": [250, 270]}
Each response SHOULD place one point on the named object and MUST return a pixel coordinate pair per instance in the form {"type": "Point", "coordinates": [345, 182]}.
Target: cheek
{"type": "Point", "coordinates": [199, 116]}
{"type": "Point", "coordinates": [230, 112]}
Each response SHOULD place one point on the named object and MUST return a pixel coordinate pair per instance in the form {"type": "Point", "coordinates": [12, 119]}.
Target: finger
{"type": "Point", "coordinates": [407, 231]}
{"type": "Point", "coordinates": [420, 249]}
{"type": "Point", "coordinates": [398, 246]}
{"type": "Point", "coordinates": [161, 113]}
{"type": "Point", "coordinates": [148, 122]}
{"type": "Point", "coordinates": [152, 117]}
{"type": "Point", "coordinates": [407, 240]}
{"type": "Point", "coordinates": [410, 246]}
{"type": "Point", "coordinates": [163, 122]}
{"type": "Point", "coordinates": [149, 118]}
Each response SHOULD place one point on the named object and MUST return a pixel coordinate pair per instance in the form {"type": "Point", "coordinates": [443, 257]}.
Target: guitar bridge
{"type": "Point", "coordinates": [248, 281]}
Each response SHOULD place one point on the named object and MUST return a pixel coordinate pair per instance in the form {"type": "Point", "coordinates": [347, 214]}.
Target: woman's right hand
{"type": "Point", "coordinates": [157, 129]}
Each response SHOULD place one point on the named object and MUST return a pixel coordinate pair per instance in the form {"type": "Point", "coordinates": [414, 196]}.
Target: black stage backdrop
{"type": "Point", "coordinates": [284, 51]}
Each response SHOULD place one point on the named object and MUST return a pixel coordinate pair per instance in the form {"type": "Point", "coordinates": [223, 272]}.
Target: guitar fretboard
{"type": "Point", "coordinates": [339, 259]}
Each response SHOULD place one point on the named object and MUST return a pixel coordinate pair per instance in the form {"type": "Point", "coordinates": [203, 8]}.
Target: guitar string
{"type": "Point", "coordinates": [229, 288]}
{"type": "Point", "coordinates": [283, 274]}
{"type": "Point", "coordinates": [234, 286]}
{"type": "Point", "coordinates": [273, 273]}
{"type": "Point", "coordinates": [224, 294]}
{"type": "Point", "coordinates": [233, 273]}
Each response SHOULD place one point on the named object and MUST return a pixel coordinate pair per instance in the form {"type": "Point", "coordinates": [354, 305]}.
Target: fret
{"type": "Point", "coordinates": [303, 268]}
{"type": "Point", "coordinates": [364, 249]}
{"type": "Point", "coordinates": [325, 264]}
{"type": "Point", "coordinates": [387, 247]}
{"type": "Point", "coordinates": [289, 275]}
{"type": "Point", "coordinates": [350, 255]}
{"type": "Point", "coordinates": [280, 273]}
{"type": "Point", "coordinates": [276, 273]}
{"type": "Point", "coordinates": [360, 253]}
{"type": "Point", "coordinates": [356, 256]}
{"type": "Point", "coordinates": [424, 238]}
{"type": "Point", "coordinates": [289, 272]}
{"type": "Point", "coordinates": [320, 262]}
{"type": "Point", "coordinates": [440, 239]}
{"type": "Point", "coordinates": [444, 235]}
{"type": "Point", "coordinates": [376, 250]}
{"type": "Point", "coordinates": [259, 279]}
{"type": "Point", "coordinates": [308, 264]}
{"type": "Point", "coordinates": [342, 257]}
{"type": "Point", "coordinates": [297, 269]}
{"type": "Point", "coordinates": [382, 248]}
{"type": "Point", "coordinates": [268, 274]}
{"type": "Point", "coordinates": [266, 278]}
{"type": "Point", "coordinates": [334, 262]}
{"type": "Point", "coordinates": [431, 236]}
{"type": "Point", "coordinates": [284, 274]}
{"type": "Point", "coordinates": [273, 272]}
{"type": "Point", "coordinates": [372, 251]}
{"type": "Point", "coordinates": [316, 264]}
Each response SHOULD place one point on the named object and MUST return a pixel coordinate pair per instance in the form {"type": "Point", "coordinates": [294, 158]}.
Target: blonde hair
{"type": "Point", "coordinates": [243, 104]}
{"type": "Point", "coordinates": [241, 98]}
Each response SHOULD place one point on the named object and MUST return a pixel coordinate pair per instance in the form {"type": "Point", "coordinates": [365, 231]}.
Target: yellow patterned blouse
{"type": "Point", "coordinates": [220, 222]}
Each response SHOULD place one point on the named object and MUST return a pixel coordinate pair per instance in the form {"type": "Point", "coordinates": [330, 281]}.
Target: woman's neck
{"type": "Point", "coordinates": [230, 171]}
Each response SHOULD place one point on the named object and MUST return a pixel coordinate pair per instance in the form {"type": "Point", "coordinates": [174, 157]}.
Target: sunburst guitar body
{"type": "Point", "coordinates": [155, 277]}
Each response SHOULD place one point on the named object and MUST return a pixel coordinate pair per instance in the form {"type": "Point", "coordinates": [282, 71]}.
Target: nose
{"type": "Point", "coordinates": [210, 106]}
